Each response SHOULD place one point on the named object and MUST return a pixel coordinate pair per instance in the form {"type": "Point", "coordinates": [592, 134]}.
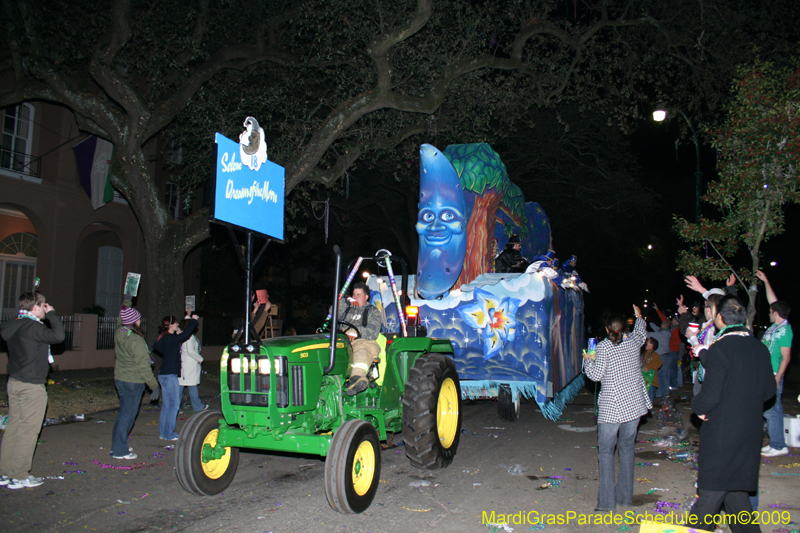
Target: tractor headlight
{"type": "Point", "coordinates": [237, 363]}
{"type": "Point", "coordinates": [265, 368]}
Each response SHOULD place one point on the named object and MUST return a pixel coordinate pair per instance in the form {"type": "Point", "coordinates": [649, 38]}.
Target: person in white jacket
{"type": "Point", "coordinates": [190, 371]}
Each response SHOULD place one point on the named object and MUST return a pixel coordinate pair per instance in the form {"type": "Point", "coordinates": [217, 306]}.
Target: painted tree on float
{"type": "Point", "coordinates": [483, 173]}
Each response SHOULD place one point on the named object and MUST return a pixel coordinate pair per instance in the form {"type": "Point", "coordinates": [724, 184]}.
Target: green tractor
{"type": "Point", "coordinates": [288, 395]}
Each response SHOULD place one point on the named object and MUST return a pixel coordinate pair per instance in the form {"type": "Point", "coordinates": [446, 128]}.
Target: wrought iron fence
{"type": "Point", "coordinates": [106, 326]}
{"type": "Point", "coordinates": [72, 333]}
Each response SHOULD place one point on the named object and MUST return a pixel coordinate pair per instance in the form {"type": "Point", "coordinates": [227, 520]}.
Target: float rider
{"type": "Point", "coordinates": [511, 258]}
{"type": "Point", "coordinates": [367, 318]}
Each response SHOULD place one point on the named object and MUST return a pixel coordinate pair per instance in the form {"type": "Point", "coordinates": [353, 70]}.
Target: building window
{"type": "Point", "coordinates": [20, 243]}
{"type": "Point", "coordinates": [109, 279]}
{"type": "Point", "coordinates": [172, 198]}
{"type": "Point", "coordinates": [17, 269]}
{"type": "Point", "coordinates": [15, 151]}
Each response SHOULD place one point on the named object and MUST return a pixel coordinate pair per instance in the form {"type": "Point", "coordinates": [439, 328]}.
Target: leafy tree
{"type": "Point", "coordinates": [759, 159]}
{"type": "Point", "coordinates": [338, 82]}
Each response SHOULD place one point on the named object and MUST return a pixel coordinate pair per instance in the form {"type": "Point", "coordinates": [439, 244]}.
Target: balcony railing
{"type": "Point", "coordinates": [19, 162]}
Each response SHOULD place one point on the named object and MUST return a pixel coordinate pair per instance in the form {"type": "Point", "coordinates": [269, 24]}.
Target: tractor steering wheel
{"type": "Point", "coordinates": [348, 326]}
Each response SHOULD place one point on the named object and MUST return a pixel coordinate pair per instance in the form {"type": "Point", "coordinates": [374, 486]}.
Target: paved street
{"type": "Point", "coordinates": [286, 493]}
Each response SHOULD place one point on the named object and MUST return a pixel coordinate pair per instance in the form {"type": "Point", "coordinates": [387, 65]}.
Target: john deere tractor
{"type": "Point", "coordinates": [287, 394]}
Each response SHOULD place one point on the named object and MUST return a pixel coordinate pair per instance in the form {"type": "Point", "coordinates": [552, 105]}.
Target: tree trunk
{"type": "Point", "coordinates": [164, 288]}
{"type": "Point", "coordinates": [480, 230]}
{"type": "Point", "coordinates": [167, 241]}
{"type": "Point", "coordinates": [752, 294]}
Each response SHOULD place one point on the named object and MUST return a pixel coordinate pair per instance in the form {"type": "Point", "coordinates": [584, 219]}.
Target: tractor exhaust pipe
{"type": "Point", "coordinates": [335, 313]}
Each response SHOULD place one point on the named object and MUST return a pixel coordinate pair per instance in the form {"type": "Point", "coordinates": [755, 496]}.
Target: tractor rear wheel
{"type": "Point", "coordinates": [197, 477]}
{"type": "Point", "coordinates": [432, 412]}
{"type": "Point", "coordinates": [353, 467]}
{"type": "Point", "coordinates": [507, 406]}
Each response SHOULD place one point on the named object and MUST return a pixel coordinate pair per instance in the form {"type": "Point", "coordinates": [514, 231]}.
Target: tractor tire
{"type": "Point", "coordinates": [353, 467]}
{"type": "Point", "coordinates": [432, 412]}
{"type": "Point", "coordinates": [197, 477]}
{"type": "Point", "coordinates": [507, 407]}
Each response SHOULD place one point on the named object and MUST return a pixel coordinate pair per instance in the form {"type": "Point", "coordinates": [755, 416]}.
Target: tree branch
{"type": "Point", "coordinates": [378, 50]}
{"type": "Point", "coordinates": [232, 57]}
{"type": "Point", "coordinates": [118, 32]}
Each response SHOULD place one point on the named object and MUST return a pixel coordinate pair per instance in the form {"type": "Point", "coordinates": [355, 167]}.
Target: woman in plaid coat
{"type": "Point", "coordinates": [623, 400]}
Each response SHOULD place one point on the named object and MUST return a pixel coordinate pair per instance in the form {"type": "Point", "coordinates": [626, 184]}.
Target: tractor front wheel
{"type": "Point", "coordinates": [198, 477]}
{"type": "Point", "coordinates": [432, 412]}
{"type": "Point", "coordinates": [353, 467]}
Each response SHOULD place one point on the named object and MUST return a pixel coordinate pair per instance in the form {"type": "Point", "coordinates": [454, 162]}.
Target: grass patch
{"type": "Point", "coordinates": [75, 397]}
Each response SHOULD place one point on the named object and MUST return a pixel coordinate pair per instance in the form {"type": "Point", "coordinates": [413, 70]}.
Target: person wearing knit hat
{"type": "Point", "coordinates": [129, 315]}
{"type": "Point", "coordinates": [131, 372]}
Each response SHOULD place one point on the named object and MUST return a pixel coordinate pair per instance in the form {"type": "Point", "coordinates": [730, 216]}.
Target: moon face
{"type": "Point", "coordinates": [441, 225]}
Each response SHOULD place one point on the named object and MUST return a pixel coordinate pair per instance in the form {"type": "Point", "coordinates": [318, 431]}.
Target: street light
{"type": "Point", "coordinates": [659, 115]}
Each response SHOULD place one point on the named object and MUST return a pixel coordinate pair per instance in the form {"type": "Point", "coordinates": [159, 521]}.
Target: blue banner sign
{"type": "Point", "coordinates": [249, 190]}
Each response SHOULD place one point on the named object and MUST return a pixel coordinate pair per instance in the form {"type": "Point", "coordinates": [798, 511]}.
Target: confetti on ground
{"type": "Point", "coordinates": [666, 507]}
{"type": "Point", "coordinates": [416, 510]}
{"type": "Point", "coordinates": [790, 465]}
{"type": "Point", "coordinates": [134, 466]}
{"type": "Point", "coordinates": [643, 480]}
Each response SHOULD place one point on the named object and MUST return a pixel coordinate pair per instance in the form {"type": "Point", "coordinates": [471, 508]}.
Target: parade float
{"type": "Point", "coordinates": [514, 335]}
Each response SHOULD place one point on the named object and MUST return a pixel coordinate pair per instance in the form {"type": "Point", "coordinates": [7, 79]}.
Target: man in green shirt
{"type": "Point", "coordinates": [778, 338]}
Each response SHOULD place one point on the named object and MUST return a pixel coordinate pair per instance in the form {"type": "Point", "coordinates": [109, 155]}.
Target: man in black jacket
{"type": "Point", "coordinates": [511, 258]}
{"type": "Point", "coordinates": [738, 382]}
{"type": "Point", "coordinates": [29, 343]}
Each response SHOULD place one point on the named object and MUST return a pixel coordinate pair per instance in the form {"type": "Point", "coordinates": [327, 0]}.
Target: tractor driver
{"type": "Point", "coordinates": [367, 319]}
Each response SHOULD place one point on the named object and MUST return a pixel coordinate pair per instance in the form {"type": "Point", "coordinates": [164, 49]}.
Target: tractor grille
{"type": "Point", "coordinates": [298, 393]}
{"type": "Point", "coordinates": [249, 384]}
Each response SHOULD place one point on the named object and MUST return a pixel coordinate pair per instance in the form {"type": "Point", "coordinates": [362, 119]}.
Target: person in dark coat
{"type": "Point", "coordinates": [738, 382]}
{"type": "Point", "coordinates": [168, 346]}
{"type": "Point", "coordinates": [511, 258]}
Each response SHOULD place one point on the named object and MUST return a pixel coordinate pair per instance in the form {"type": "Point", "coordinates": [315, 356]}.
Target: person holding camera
{"type": "Point", "coordinates": [168, 346]}
{"type": "Point", "coordinates": [29, 343]}
{"type": "Point", "coordinates": [623, 401]}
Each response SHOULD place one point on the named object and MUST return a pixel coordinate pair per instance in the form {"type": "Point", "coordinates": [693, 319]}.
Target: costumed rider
{"type": "Point", "coordinates": [367, 318]}
{"type": "Point", "coordinates": [511, 258]}
{"type": "Point", "coordinates": [571, 275]}
{"type": "Point", "coordinates": [547, 265]}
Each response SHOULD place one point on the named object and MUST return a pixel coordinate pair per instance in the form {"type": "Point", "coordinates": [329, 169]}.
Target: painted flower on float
{"type": "Point", "coordinates": [493, 318]}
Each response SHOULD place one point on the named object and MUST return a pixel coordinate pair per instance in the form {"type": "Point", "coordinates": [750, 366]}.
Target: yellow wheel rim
{"type": "Point", "coordinates": [363, 468]}
{"type": "Point", "coordinates": [447, 413]}
{"type": "Point", "coordinates": [216, 468]}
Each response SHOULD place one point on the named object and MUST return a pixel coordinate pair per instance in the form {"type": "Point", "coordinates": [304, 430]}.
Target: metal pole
{"type": "Point", "coordinates": [248, 281]}
{"type": "Point", "coordinates": [698, 173]}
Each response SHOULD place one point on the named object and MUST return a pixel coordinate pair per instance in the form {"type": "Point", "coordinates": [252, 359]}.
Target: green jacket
{"type": "Point", "coordinates": [133, 357]}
